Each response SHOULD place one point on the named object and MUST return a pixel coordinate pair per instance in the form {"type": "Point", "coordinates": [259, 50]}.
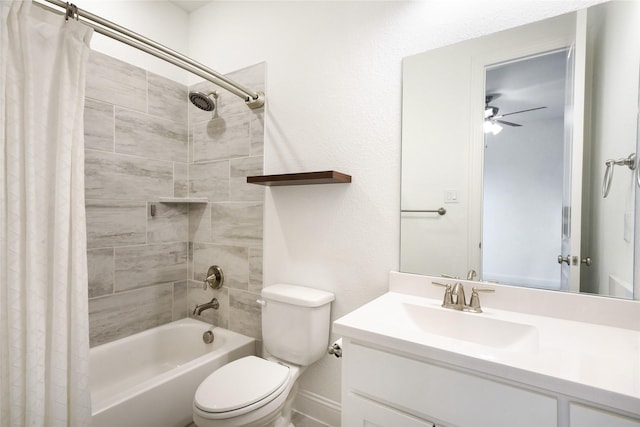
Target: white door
{"type": "Point", "coordinates": [565, 33]}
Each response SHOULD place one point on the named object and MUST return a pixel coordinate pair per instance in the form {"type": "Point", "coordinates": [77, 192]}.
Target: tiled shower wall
{"type": "Point", "coordinates": [225, 148]}
{"type": "Point", "coordinates": [144, 141]}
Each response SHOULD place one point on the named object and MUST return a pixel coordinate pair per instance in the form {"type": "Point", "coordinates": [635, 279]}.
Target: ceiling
{"type": "Point", "coordinates": [189, 5]}
{"type": "Point", "coordinates": [529, 83]}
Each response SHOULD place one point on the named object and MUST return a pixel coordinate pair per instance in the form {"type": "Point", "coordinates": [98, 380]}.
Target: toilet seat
{"type": "Point", "coordinates": [241, 386]}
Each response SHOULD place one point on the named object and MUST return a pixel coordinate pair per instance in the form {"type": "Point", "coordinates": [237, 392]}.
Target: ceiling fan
{"type": "Point", "coordinates": [491, 112]}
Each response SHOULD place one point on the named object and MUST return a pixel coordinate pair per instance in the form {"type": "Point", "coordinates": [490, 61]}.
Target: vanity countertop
{"type": "Point", "coordinates": [597, 362]}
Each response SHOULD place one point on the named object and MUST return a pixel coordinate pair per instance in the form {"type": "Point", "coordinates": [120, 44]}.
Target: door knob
{"type": "Point", "coordinates": [587, 261]}
{"type": "Point", "coordinates": [566, 259]}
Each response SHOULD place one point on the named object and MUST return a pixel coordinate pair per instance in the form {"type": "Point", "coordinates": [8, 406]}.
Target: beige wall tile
{"type": "Point", "coordinates": [167, 99]}
{"type": "Point", "coordinates": [257, 133]}
{"type": "Point", "coordinates": [138, 266]}
{"type": "Point", "coordinates": [120, 177]}
{"type": "Point", "coordinates": [180, 180]}
{"type": "Point", "coordinates": [115, 223]}
{"type": "Point", "coordinates": [255, 270]}
{"type": "Point", "coordinates": [222, 138]}
{"type": "Point", "coordinates": [98, 125]}
{"type": "Point", "coordinates": [245, 315]}
{"type": "Point", "coordinates": [239, 170]}
{"type": "Point", "coordinates": [237, 223]}
{"type": "Point", "coordinates": [144, 135]}
{"type": "Point", "coordinates": [169, 224]}
{"type": "Point", "coordinates": [180, 303]}
{"type": "Point", "coordinates": [100, 269]}
{"type": "Point", "coordinates": [126, 313]}
{"type": "Point", "coordinates": [200, 223]}
{"type": "Point", "coordinates": [209, 180]}
{"type": "Point", "coordinates": [116, 82]}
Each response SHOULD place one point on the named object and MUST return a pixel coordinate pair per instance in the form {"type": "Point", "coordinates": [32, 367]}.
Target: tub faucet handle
{"type": "Point", "coordinates": [213, 278]}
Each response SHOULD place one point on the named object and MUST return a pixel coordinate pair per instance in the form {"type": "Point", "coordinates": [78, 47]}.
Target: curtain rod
{"type": "Point", "coordinates": [126, 36]}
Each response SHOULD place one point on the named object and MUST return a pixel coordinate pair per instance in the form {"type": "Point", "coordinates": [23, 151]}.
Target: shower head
{"type": "Point", "coordinates": [206, 102]}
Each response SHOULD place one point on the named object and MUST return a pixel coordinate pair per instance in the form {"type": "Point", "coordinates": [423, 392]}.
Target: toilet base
{"type": "Point", "coordinates": [284, 420]}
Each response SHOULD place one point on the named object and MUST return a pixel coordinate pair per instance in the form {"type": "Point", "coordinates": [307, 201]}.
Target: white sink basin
{"type": "Point", "coordinates": [477, 328]}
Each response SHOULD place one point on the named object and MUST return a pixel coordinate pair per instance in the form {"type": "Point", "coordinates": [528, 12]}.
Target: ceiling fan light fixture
{"type": "Point", "coordinates": [492, 127]}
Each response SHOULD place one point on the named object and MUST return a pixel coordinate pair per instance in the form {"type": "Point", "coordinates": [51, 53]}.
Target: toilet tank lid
{"type": "Point", "coordinates": [297, 295]}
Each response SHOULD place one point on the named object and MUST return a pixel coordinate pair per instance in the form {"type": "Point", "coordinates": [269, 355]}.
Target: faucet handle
{"type": "Point", "coordinates": [447, 301]}
{"type": "Point", "coordinates": [474, 302]}
{"type": "Point", "coordinates": [213, 278]}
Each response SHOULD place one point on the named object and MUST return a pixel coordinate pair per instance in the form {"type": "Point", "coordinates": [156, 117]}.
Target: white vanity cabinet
{"type": "Point", "coordinates": [369, 413]}
{"type": "Point", "coordinates": [385, 389]}
{"type": "Point", "coordinates": [407, 361]}
{"type": "Point", "coordinates": [586, 416]}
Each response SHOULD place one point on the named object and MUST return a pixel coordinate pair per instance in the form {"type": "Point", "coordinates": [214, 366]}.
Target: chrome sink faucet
{"type": "Point", "coordinates": [460, 298]}
{"type": "Point", "coordinates": [455, 299]}
{"type": "Point", "coordinates": [471, 275]}
{"type": "Point", "coordinates": [202, 307]}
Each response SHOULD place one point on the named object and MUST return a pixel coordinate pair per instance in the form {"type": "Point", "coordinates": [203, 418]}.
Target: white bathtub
{"type": "Point", "coordinates": [150, 378]}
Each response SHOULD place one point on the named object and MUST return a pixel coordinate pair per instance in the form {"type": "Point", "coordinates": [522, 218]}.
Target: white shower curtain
{"type": "Point", "coordinates": [44, 343]}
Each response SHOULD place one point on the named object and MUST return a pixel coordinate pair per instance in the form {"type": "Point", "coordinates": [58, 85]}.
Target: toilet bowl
{"type": "Point", "coordinates": [255, 393]}
{"type": "Point", "coordinates": [258, 392]}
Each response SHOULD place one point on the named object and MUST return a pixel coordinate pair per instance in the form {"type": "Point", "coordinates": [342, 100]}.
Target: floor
{"type": "Point", "coordinates": [300, 420]}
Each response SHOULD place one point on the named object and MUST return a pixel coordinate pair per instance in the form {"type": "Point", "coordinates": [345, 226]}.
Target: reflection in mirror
{"type": "Point", "coordinates": [523, 170]}
{"type": "Point", "coordinates": [454, 156]}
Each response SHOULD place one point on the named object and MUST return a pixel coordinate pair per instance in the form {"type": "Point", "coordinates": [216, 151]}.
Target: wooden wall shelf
{"type": "Point", "coordinates": [302, 178]}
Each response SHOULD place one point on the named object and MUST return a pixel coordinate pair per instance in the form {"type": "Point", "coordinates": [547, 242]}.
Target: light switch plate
{"type": "Point", "coordinates": [451, 196]}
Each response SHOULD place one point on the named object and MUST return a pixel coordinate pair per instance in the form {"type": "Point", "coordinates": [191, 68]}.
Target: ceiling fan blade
{"type": "Point", "coordinates": [522, 111]}
{"type": "Point", "coordinates": [508, 123]}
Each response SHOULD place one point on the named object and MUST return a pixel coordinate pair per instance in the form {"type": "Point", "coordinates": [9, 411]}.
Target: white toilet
{"type": "Point", "coordinates": [259, 392]}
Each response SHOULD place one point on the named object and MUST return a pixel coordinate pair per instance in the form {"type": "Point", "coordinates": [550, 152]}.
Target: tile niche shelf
{"type": "Point", "coordinates": [183, 200]}
{"type": "Point", "coordinates": [302, 178]}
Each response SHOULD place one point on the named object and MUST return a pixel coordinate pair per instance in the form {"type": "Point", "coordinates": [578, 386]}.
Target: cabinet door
{"type": "Point", "coordinates": [586, 416]}
{"type": "Point", "coordinates": [360, 412]}
{"type": "Point", "coordinates": [431, 391]}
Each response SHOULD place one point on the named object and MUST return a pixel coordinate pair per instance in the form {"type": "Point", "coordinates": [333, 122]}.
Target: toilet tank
{"type": "Point", "coordinates": [295, 322]}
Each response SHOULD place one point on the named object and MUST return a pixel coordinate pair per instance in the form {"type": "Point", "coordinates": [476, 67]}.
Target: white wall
{"type": "Point", "coordinates": [334, 102]}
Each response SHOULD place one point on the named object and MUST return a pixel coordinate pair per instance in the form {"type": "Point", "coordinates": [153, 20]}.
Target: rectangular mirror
{"type": "Point", "coordinates": [517, 136]}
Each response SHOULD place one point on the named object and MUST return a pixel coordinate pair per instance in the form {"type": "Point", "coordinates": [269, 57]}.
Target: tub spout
{"type": "Point", "coordinates": [202, 307]}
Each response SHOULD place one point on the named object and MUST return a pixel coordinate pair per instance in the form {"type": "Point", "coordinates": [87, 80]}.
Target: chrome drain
{"type": "Point", "coordinates": [207, 337]}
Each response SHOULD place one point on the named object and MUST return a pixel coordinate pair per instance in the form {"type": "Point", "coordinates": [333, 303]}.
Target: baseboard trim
{"type": "Point", "coordinates": [318, 407]}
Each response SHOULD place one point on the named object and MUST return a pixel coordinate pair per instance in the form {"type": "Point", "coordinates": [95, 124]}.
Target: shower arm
{"type": "Point", "coordinates": [128, 37]}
